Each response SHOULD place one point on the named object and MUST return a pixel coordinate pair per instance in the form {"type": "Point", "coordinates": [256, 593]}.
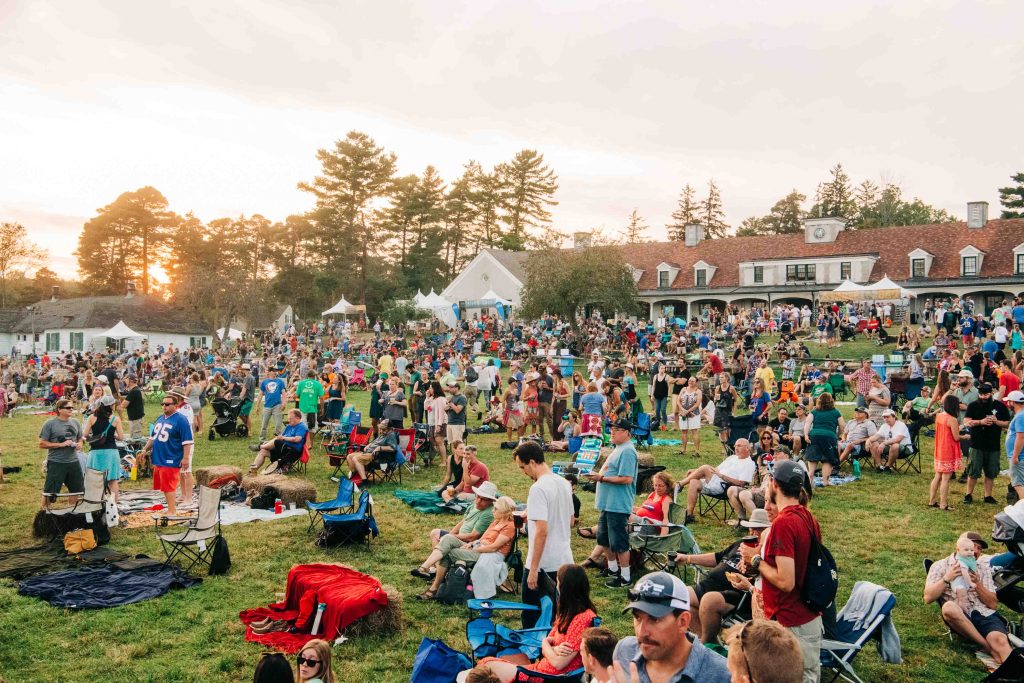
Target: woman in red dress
{"type": "Point", "coordinates": [948, 457]}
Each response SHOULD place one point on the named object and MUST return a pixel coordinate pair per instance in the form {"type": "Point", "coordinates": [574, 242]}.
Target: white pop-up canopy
{"type": "Point", "coordinates": [491, 295]}
{"type": "Point", "coordinates": [233, 334]}
{"type": "Point", "coordinates": [418, 299]}
{"type": "Point", "coordinates": [341, 308]}
{"type": "Point", "coordinates": [885, 289]}
{"type": "Point", "coordinates": [121, 331]}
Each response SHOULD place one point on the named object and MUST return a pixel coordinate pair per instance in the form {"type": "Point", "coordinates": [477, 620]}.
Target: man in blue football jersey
{"type": "Point", "coordinates": [170, 447]}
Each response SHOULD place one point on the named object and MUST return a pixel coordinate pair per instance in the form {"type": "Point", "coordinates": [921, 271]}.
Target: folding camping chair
{"type": "Point", "coordinates": [838, 384]}
{"type": "Point", "coordinates": [197, 542]}
{"type": "Point", "coordinates": [336, 450]}
{"type": "Point", "coordinates": [742, 428]}
{"type": "Point", "coordinates": [852, 633]}
{"type": "Point", "coordinates": [661, 550]}
{"type": "Point", "coordinates": [387, 467]}
{"type": "Point", "coordinates": [716, 505]}
{"type": "Point", "coordinates": [407, 446]}
{"type": "Point", "coordinates": [90, 501]}
{"type": "Point", "coordinates": [340, 504]}
{"type": "Point", "coordinates": [488, 639]}
{"type": "Point", "coordinates": [358, 526]}
{"type": "Point", "coordinates": [912, 461]}
{"type": "Point", "coordinates": [641, 431]}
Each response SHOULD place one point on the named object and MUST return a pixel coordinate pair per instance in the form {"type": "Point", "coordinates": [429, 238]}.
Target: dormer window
{"type": "Point", "coordinates": [917, 267]}
{"type": "Point", "coordinates": [667, 274]}
{"type": "Point", "coordinates": [1018, 259]}
{"type": "Point", "coordinates": [702, 277]}
{"type": "Point", "coordinates": [662, 279]}
{"type": "Point", "coordinates": [702, 273]}
{"type": "Point", "coordinates": [971, 259]}
{"type": "Point", "coordinates": [636, 272]}
{"type": "Point", "coordinates": [920, 263]}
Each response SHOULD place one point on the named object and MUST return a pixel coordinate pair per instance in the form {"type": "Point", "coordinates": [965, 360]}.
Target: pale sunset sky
{"type": "Point", "coordinates": [222, 105]}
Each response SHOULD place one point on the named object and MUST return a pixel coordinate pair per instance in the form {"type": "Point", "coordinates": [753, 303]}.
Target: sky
{"type": "Point", "coordinates": [222, 105]}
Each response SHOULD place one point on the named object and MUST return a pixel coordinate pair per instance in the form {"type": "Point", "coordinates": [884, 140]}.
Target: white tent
{"type": "Point", "coordinates": [491, 295]}
{"type": "Point", "coordinates": [418, 299]}
{"type": "Point", "coordinates": [341, 308]}
{"type": "Point", "coordinates": [233, 334]}
{"type": "Point", "coordinates": [440, 307]}
{"type": "Point", "coordinates": [886, 289]}
{"type": "Point", "coordinates": [121, 331]}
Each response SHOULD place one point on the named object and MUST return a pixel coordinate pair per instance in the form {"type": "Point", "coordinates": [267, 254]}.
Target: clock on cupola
{"type": "Point", "coordinates": [823, 230]}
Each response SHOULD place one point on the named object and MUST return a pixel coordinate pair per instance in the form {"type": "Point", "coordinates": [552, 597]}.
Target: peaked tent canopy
{"type": "Point", "coordinates": [233, 334]}
{"type": "Point", "coordinates": [121, 331]}
{"type": "Point", "coordinates": [491, 295]}
{"type": "Point", "coordinates": [886, 289]}
{"type": "Point", "coordinates": [341, 308]}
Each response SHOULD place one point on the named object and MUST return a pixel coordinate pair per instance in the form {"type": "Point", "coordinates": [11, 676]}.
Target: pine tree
{"type": "Point", "coordinates": [835, 197]}
{"type": "Point", "coordinates": [1012, 197]}
{"type": "Point", "coordinates": [635, 228]}
{"type": "Point", "coordinates": [786, 215]}
{"type": "Point", "coordinates": [528, 187]}
{"type": "Point", "coordinates": [712, 216]}
{"type": "Point", "coordinates": [686, 213]}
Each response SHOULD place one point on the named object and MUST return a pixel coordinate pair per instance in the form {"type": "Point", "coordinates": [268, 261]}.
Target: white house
{"type": "Point", "coordinates": [493, 270]}
{"type": "Point", "coordinates": [60, 325]}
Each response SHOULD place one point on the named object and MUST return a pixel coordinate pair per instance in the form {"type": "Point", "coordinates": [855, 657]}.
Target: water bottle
{"type": "Point", "coordinates": [320, 607]}
{"type": "Point", "coordinates": [277, 506]}
{"type": "Point", "coordinates": [856, 469]}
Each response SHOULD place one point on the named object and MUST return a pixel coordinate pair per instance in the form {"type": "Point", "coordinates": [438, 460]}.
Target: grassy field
{"type": "Point", "coordinates": [879, 529]}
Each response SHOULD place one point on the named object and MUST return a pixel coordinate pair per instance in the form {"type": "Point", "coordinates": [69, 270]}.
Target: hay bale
{"type": "Point", "coordinates": [645, 459]}
{"type": "Point", "coordinates": [290, 489]}
{"type": "Point", "coordinates": [388, 619]}
{"type": "Point", "coordinates": [204, 475]}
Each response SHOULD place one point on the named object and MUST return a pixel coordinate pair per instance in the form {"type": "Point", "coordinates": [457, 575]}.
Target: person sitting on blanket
{"type": "Point", "coordinates": [574, 614]}
{"type": "Point", "coordinates": [285, 449]}
{"type": "Point", "coordinates": [496, 539]}
{"type": "Point", "coordinates": [386, 442]}
{"type": "Point", "coordinates": [736, 470]}
{"type": "Point", "coordinates": [471, 527]}
{"type": "Point", "coordinates": [473, 472]}
{"type": "Point", "coordinates": [495, 415]}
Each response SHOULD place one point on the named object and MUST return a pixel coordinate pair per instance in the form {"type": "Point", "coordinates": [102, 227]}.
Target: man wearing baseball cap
{"type": "Point", "coordinates": [890, 441]}
{"type": "Point", "coordinates": [986, 417]}
{"type": "Point", "coordinates": [1015, 441]}
{"type": "Point", "coordinates": [782, 563]}
{"type": "Point", "coordinates": [616, 489]}
{"type": "Point", "coordinates": [663, 649]}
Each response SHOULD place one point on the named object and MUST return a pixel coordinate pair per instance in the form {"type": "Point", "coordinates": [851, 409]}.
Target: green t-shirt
{"type": "Point", "coordinates": [920, 403]}
{"type": "Point", "coordinates": [309, 391]}
{"type": "Point", "coordinates": [826, 422]}
{"type": "Point", "coordinates": [477, 520]}
{"type": "Point", "coordinates": [819, 389]}
{"type": "Point", "coordinates": [414, 377]}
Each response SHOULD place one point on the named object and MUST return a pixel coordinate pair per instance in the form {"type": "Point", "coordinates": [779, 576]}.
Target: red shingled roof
{"type": "Point", "coordinates": [892, 245]}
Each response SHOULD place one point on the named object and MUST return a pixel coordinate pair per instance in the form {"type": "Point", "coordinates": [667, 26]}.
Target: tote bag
{"type": "Point", "coordinates": [437, 663]}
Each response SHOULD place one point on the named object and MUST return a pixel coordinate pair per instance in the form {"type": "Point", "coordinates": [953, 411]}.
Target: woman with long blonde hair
{"type": "Point", "coordinates": [314, 662]}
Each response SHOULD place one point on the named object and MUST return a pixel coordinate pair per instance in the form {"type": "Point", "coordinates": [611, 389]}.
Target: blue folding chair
{"type": "Point", "coordinates": [851, 634]}
{"type": "Point", "coordinates": [358, 526]}
{"type": "Point", "coordinates": [342, 503]}
{"type": "Point", "coordinates": [488, 639]}
{"type": "Point", "coordinates": [641, 431]}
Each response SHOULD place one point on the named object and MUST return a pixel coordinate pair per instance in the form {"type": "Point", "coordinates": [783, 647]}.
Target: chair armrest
{"type": "Point", "coordinates": [64, 495]}
{"type": "Point", "coordinates": [838, 646]}
{"type": "Point", "coordinates": [500, 605]}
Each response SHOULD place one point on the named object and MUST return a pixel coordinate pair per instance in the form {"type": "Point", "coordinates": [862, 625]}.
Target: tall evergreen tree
{"type": "Point", "coordinates": [17, 252]}
{"type": "Point", "coordinates": [426, 265]}
{"type": "Point", "coordinates": [687, 213]}
{"type": "Point", "coordinates": [786, 215]}
{"type": "Point", "coordinates": [355, 174]}
{"type": "Point", "coordinates": [635, 228]}
{"type": "Point", "coordinates": [528, 187]}
{"type": "Point", "coordinates": [712, 215]}
{"type": "Point", "coordinates": [462, 235]}
{"type": "Point", "coordinates": [1012, 197]}
{"type": "Point", "coordinates": [834, 197]}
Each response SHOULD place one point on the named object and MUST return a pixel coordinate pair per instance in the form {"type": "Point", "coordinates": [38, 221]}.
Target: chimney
{"type": "Point", "coordinates": [130, 290]}
{"type": "Point", "coordinates": [581, 240]}
{"type": "Point", "coordinates": [54, 293]}
{"type": "Point", "coordinates": [977, 214]}
{"type": "Point", "coordinates": [694, 235]}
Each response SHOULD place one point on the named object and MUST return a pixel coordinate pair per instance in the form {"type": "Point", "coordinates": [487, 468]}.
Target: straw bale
{"type": "Point", "coordinates": [388, 619]}
{"type": "Point", "coordinates": [291, 489]}
{"type": "Point", "coordinates": [204, 475]}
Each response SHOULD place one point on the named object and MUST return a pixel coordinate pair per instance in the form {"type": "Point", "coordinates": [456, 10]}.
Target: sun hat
{"type": "Point", "coordinates": [486, 490]}
{"type": "Point", "coordinates": [1015, 397]}
{"type": "Point", "coordinates": [107, 401]}
{"type": "Point", "coordinates": [758, 520]}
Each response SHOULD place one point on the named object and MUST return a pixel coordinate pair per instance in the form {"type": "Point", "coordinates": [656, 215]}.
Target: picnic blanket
{"type": "Point", "coordinates": [667, 442]}
{"type": "Point", "coordinates": [348, 594]}
{"type": "Point", "coordinates": [21, 563]}
{"type": "Point", "coordinates": [835, 480]}
{"type": "Point", "coordinates": [230, 513]}
{"type": "Point", "coordinates": [112, 585]}
{"type": "Point", "coordinates": [137, 500]}
{"type": "Point", "coordinates": [429, 502]}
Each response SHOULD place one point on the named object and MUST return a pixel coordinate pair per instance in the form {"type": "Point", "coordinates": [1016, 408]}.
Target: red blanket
{"type": "Point", "coordinates": [348, 594]}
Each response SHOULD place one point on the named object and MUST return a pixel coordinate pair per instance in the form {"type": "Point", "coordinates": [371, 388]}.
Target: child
{"type": "Point", "coordinates": [596, 650]}
{"type": "Point", "coordinates": [968, 563]}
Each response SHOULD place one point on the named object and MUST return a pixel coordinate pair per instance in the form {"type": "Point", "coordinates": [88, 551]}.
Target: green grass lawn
{"type": "Point", "coordinates": [879, 529]}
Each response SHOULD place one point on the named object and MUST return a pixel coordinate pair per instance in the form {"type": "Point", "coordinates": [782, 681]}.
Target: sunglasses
{"type": "Point", "coordinates": [167, 404]}
{"type": "Point", "coordinates": [648, 596]}
{"type": "Point", "coordinates": [304, 661]}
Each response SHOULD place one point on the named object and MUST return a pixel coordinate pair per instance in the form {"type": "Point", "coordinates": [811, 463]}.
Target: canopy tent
{"type": "Point", "coordinates": [887, 290]}
{"type": "Point", "coordinates": [491, 295]}
{"type": "Point", "coordinates": [441, 308]}
{"type": "Point", "coordinates": [845, 292]}
{"type": "Point", "coordinates": [121, 331]}
{"type": "Point", "coordinates": [233, 334]}
{"type": "Point", "coordinates": [418, 299]}
{"type": "Point", "coordinates": [341, 308]}
{"type": "Point", "coordinates": [883, 290]}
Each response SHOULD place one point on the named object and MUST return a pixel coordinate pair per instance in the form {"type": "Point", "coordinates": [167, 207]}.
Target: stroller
{"type": "Point", "coordinates": [847, 332]}
{"type": "Point", "coordinates": [226, 424]}
{"type": "Point", "coordinates": [883, 337]}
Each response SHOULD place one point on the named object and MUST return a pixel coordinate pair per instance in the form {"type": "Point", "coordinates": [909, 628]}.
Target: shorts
{"type": "Point", "coordinates": [993, 623]}
{"type": "Point", "coordinates": [67, 474]}
{"type": "Point", "coordinates": [691, 422]}
{"type": "Point", "coordinates": [456, 432]}
{"type": "Point", "coordinates": [283, 454]}
{"type": "Point", "coordinates": [166, 478]}
{"type": "Point", "coordinates": [363, 458]}
{"type": "Point", "coordinates": [135, 427]}
{"type": "Point", "coordinates": [612, 532]}
{"type": "Point", "coordinates": [983, 461]}
{"type": "Point", "coordinates": [396, 424]}
{"type": "Point", "coordinates": [1017, 474]}
{"type": "Point", "coordinates": [245, 408]}
{"type": "Point", "coordinates": [822, 449]}
{"type": "Point", "coordinates": [723, 420]}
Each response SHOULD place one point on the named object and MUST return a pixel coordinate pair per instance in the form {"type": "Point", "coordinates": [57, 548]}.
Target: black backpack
{"type": "Point", "coordinates": [821, 580]}
{"type": "Point", "coordinates": [220, 559]}
{"type": "Point", "coordinates": [453, 590]}
{"type": "Point", "coordinates": [471, 374]}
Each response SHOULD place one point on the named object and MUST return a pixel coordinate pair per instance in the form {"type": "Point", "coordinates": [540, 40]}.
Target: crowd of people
{"type": "Point", "coordinates": [963, 388]}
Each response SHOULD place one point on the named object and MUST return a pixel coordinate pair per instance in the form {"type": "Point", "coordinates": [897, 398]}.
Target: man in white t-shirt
{"type": "Point", "coordinates": [1000, 334]}
{"type": "Point", "coordinates": [549, 513]}
{"type": "Point", "coordinates": [736, 470]}
{"type": "Point", "coordinates": [595, 363]}
{"type": "Point", "coordinates": [485, 381]}
{"type": "Point", "coordinates": [892, 439]}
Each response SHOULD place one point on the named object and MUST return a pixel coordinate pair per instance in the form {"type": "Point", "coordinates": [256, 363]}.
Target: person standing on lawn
{"type": "Point", "coordinates": [311, 396]}
{"type": "Point", "coordinates": [62, 438]}
{"type": "Point", "coordinates": [272, 391]}
{"type": "Point", "coordinates": [1015, 441]}
{"type": "Point", "coordinates": [170, 448]}
{"type": "Point", "coordinates": [616, 489]}
{"type": "Point", "coordinates": [986, 418]}
{"type": "Point", "coordinates": [861, 380]}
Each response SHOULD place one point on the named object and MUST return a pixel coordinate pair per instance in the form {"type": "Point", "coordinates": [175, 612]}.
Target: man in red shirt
{"type": "Point", "coordinates": [1008, 381]}
{"type": "Point", "coordinates": [782, 562]}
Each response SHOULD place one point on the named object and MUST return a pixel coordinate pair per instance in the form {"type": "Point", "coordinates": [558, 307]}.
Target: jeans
{"type": "Point", "coordinates": [659, 410]}
{"type": "Point", "coordinates": [546, 582]}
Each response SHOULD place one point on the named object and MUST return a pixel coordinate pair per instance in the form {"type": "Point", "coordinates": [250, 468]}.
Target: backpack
{"type": "Point", "coordinates": [220, 559]}
{"type": "Point", "coordinates": [821, 580]}
{"type": "Point", "coordinates": [454, 589]}
{"type": "Point", "coordinates": [471, 374]}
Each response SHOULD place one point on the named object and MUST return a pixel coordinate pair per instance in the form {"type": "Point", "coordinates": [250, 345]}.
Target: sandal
{"type": "Point", "coordinates": [590, 564]}
{"type": "Point", "coordinates": [422, 573]}
{"type": "Point", "coordinates": [586, 532]}
{"type": "Point", "coordinates": [933, 505]}
{"type": "Point", "coordinates": [425, 595]}
{"type": "Point", "coordinates": [947, 508]}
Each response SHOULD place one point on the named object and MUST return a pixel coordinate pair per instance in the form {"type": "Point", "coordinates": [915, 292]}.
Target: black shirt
{"type": "Point", "coordinates": [136, 404]}
{"type": "Point", "coordinates": [986, 438]}
{"type": "Point", "coordinates": [715, 581]}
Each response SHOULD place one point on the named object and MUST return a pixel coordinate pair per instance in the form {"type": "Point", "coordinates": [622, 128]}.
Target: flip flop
{"type": "Point", "coordinates": [586, 532]}
{"type": "Point", "coordinates": [420, 573]}
{"type": "Point", "coordinates": [425, 595]}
